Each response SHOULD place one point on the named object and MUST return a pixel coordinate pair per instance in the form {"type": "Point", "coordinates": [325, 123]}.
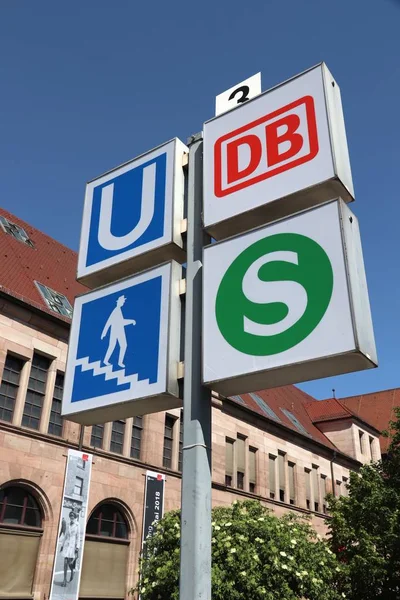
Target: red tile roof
{"type": "Point", "coordinates": [327, 410]}
{"type": "Point", "coordinates": [294, 401]}
{"type": "Point", "coordinates": [376, 408]}
{"type": "Point", "coordinates": [49, 263]}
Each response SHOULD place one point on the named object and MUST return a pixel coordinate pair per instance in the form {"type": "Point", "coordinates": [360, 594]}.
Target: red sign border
{"type": "Point", "coordinates": [313, 139]}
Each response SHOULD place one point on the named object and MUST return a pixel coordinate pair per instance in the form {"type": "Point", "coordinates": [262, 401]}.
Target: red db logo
{"type": "Point", "coordinates": [263, 148]}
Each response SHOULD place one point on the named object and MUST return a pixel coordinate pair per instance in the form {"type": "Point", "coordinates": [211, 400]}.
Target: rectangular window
{"type": "Point", "coordinates": [315, 482]}
{"type": "Point", "coordinates": [55, 301]}
{"type": "Point", "coordinates": [294, 420]}
{"type": "Point", "coordinates": [168, 440]}
{"type": "Point", "coordinates": [371, 448]}
{"type": "Point", "coordinates": [240, 462]}
{"type": "Point", "coordinates": [324, 491]}
{"type": "Point", "coordinates": [136, 439]}
{"type": "Point", "coordinates": [96, 439]}
{"type": "Point", "coordinates": [9, 387]}
{"type": "Point", "coordinates": [16, 231]}
{"type": "Point", "coordinates": [265, 408]}
{"type": "Point", "coordinates": [239, 399]}
{"type": "Point", "coordinates": [117, 436]}
{"type": "Point", "coordinates": [361, 439]}
{"type": "Point", "coordinates": [240, 480]}
{"type": "Point", "coordinates": [229, 462]}
{"type": "Point", "coordinates": [282, 478]}
{"type": "Point", "coordinates": [36, 391]}
{"type": "Point", "coordinates": [272, 477]}
{"type": "Point", "coordinates": [56, 421]}
{"type": "Point", "coordinates": [252, 470]}
{"type": "Point", "coordinates": [180, 455]}
{"type": "Point", "coordinates": [307, 473]}
{"type": "Point", "coordinates": [292, 488]}
{"type": "Point", "coordinates": [78, 488]}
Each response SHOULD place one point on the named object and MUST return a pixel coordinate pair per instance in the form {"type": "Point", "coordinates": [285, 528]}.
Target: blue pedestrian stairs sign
{"type": "Point", "coordinates": [124, 348]}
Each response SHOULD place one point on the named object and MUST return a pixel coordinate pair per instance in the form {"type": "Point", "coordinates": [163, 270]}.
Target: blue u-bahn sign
{"type": "Point", "coordinates": [132, 216]}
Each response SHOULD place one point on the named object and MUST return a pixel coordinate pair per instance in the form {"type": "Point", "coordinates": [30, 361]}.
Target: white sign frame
{"type": "Point", "coordinates": [246, 197]}
{"type": "Point", "coordinates": [158, 396]}
{"type": "Point", "coordinates": [343, 344]}
{"type": "Point", "coordinates": [167, 247]}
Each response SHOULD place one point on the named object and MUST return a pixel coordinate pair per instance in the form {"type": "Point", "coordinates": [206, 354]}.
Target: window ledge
{"type": "Point", "coordinates": [111, 540]}
{"type": "Point", "coordinates": [21, 529]}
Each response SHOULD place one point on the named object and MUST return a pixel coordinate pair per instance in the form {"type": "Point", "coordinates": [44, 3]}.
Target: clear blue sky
{"type": "Point", "coordinates": [86, 85]}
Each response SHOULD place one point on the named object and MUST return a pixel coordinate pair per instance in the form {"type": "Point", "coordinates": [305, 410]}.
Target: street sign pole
{"type": "Point", "coordinates": [195, 566]}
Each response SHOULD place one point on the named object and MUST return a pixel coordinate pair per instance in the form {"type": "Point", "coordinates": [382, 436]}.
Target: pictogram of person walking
{"type": "Point", "coordinates": [116, 323]}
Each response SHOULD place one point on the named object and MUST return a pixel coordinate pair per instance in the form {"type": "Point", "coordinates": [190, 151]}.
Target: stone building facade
{"type": "Point", "coordinates": [280, 446]}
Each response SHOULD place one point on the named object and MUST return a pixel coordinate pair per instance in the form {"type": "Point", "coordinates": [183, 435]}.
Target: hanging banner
{"type": "Point", "coordinates": [71, 531]}
{"type": "Point", "coordinates": [153, 503]}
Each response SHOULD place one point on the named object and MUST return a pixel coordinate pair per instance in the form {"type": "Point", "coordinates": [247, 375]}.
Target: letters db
{"type": "Point", "coordinates": [132, 216]}
{"type": "Point", "coordinates": [286, 147]}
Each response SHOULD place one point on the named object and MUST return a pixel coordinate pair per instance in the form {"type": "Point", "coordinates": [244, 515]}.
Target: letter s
{"type": "Point", "coordinates": [290, 293]}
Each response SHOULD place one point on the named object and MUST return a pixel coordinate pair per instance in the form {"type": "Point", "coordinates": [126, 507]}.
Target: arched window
{"type": "Point", "coordinates": [18, 507]}
{"type": "Point", "coordinates": [107, 521]}
{"type": "Point", "coordinates": [106, 553]}
{"type": "Point", "coordinates": [20, 535]}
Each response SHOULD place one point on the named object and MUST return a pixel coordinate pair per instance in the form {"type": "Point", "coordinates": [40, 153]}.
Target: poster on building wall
{"type": "Point", "coordinates": [71, 531]}
{"type": "Point", "coordinates": [153, 503]}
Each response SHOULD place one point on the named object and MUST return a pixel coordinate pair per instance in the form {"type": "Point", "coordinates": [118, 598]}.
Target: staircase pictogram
{"type": "Point", "coordinates": [107, 371]}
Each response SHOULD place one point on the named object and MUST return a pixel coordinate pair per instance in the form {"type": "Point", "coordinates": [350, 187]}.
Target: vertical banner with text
{"type": "Point", "coordinates": [153, 503]}
{"type": "Point", "coordinates": [71, 532]}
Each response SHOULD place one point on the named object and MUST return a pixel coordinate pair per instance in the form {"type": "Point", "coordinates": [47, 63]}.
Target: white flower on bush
{"type": "Point", "coordinates": [243, 573]}
{"type": "Point", "coordinates": [293, 542]}
{"type": "Point", "coordinates": [282, 553]}
{"type": "Point", "coordinates": [285, 567]}
{"type": "Point", "coordinates": [233, 550]}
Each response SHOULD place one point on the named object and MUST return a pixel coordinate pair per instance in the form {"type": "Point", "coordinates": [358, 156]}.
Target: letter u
{"type": "Point", "coordinates": [107, 239]}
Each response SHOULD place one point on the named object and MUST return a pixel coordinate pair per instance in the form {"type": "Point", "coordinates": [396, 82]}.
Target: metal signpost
{"type": "Point", "coordinates": [284, 300]}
